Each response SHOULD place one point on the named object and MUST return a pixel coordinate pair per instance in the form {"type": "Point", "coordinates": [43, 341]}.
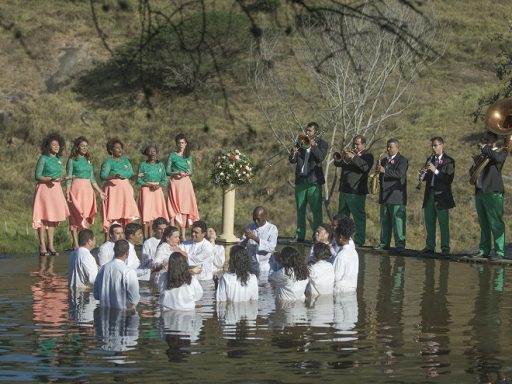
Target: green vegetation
{"type": "Point", "coordinates": [105, 96]}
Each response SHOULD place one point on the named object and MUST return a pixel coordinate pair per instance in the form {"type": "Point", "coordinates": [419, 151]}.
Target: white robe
{"type": "Point", "coordinates": [82, 269]}
{"type": "Point", "coordinates": [106, 252]}
{"type": "Point", "coordinates": [183, 298]}
{"type": "Point", "coordinates": [133, 261]}
{"type": "Point", "coordinates": [117, 286]}
{"type": "Point", "coordinates": [200, 253]}
{"type": "Point", "coordinates": [219, 258]}
{"type": "Point", "coordinates": [148, 252]}
{"type": "Point", "coordinates": [321, 279]}
{"type": "Point", "coordinates": [231, 289]}
{"type": "Point", "coordinates": [287, 288]}
{"type": "Point", "coordinates": [346, 269]}
{"type": "Point", "coordinates": [260, 253]}
{"type": "Point", "coordinates": [162, 254]}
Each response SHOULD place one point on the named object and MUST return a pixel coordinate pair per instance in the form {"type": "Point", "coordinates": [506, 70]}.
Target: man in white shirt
{"type": "Point", "coordinates": [116, 285]}
{"type": "Point", "coordinates": [106, 251]}
{"type": "Point", "coordinates": [149, 246]}
{"type": "Point", "coordinates": [133, 234]}
{"type": "Point", "coordinates": [200, 250]}
{"type": "Point", "coordinates": [260, 239]}
{"type": "Point", "coordinates": [346, 263]}
{"type": "Point", "coordinates": [82, 268]}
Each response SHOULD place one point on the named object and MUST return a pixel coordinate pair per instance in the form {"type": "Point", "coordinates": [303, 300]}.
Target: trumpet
{"type": "Point", "coordinates": [423, 171]}
{"type": "Point", "coordinates": [338, 156]}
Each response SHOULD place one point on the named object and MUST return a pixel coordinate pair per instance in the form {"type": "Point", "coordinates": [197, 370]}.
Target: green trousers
{"type": "Point", "coordinates": [392, 218]}
{"type": "Point", "coordinates": [489, 207]}
{"type": "Point", "coordinates": [431, 215]}
{"type": "Point", "coordinates": [355, 205]}
{"type": "Point", "coordinates": [307, 193]}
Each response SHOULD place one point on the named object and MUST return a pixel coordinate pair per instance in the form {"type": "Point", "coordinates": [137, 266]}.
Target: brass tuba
{"type": "Point", "coordinates": [374, 178]}
{"type": "Point", "coordinates": [498, 119]}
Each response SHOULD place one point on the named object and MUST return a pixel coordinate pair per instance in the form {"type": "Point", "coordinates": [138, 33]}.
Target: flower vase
{"type": "Point", "coordinates": [228, 216]}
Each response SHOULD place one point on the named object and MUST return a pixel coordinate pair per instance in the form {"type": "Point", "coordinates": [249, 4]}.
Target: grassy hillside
{"type": "Point", "coordinates": [42, 40]}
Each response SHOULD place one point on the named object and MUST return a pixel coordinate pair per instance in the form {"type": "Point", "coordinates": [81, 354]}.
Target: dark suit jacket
{"type": "Point", "coordinates": [354, 174]}
{"type": "Point", "coordinates": [393, 182]}
{"type": "Point", "coordinates": [316, 157]}
{"type": "Point", "coordinates": [442, 188]}
{"type": "Point", "coordinates": [491, 175]}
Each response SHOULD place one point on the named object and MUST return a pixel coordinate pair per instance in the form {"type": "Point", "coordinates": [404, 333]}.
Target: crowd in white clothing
{"type": "Point", "coordinates": [180, 269]}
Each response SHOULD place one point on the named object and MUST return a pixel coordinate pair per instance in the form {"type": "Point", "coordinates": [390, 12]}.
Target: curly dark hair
{"type": "Point", "coordinates": [294, 262]}
{"type": "Point", "coordinates": [328, 229]}
{"type": "Point", "coordinates": [54, 136]}
{"type": "Point", "coordinates": [181, 136]}
{"type": "Point", "coordinates": [147, 147]}
{"type": "Point", "coordinates": [322, 251]}
{"type": "Point", "coordinates": [75, 149]}
{"type": "Point", "coordinates": [178, 272]}
{"type": "Point", "coordinates": [345, 228]}
{"type": "Point", "coordinates": [111, 142]}
{"type": "Point", "coordinates": [239, 263]}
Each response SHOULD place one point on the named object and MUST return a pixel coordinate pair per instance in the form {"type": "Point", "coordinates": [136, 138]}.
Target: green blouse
{"type": "Point", "coordinates": [80, 168]}
{"type": "Point", "coordinates": [49, 166]}
{"type": "Point", "coordinates": [152, 173]}
{"type": "Point", "coordinates": [176, 163]}
{"type": "Point", "coordinates": [111, 167]}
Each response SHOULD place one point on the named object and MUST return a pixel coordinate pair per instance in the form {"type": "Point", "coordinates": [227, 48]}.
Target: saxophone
{"type": "Point", "coordinates": [374, 178]}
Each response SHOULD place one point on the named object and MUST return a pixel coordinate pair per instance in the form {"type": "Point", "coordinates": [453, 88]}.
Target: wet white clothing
{"type": "Point", "coordinates": [346, 269]}
{"type": "Point", "coordinates": [117, 286]}
{"type": "Point", "coordinates": [200, 252]}
{"type": "Point", "coordinates": [231, 289]}
{"type": "Point", "coordinates": [133, 261]}
{"type": "Point", "coordinates": [148, 252]}
{"type": "Point", "coordinates": [162, 254]}
{"type": "Point", "coordinates": [219, 258]}
{"type": "Point", "coordinates": [183, 298]}
{"type": "Point", "coordinates": [82, 269]}
{"type": "Point", "coordinates": [321, 279]}
{"type": "Point", "coordinates": [287, 288]}
{"type": "Point", "coordinates": [106, 252]}
{"type": "Point", "coordinates": [260, 253]}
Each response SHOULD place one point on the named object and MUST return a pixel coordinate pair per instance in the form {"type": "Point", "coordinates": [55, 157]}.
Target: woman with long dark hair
{"type": "Point", "coordinates": [169, 244]}
{"type": "Point", "coordinates": [238, 284]}
{"type": "Point", "coordinates": [291, 280]}
{"type": "Point", "coordinates": [49, 206]}
{"type": "Point", "coordinates": [181, 200]}
{"type": "Point", "coordinates": [80, 190]}
{"type": "Point", "coordinates": [116, 171]}
{"type": "Point", "coordinates": [179, 291]}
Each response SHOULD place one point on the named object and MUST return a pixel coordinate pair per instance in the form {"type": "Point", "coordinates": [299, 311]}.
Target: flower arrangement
{"type": "Point", "coordinates": [231, 167]}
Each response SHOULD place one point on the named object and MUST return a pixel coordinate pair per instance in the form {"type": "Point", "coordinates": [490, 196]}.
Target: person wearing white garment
{"type": "Point", "coordinates": [323, 234]}
{"type": "Point", "coordinates": [219, 254]}
{"type": "Point", "coordinates": [346, 263]}
{"type": "Point", "coordinates": [291, 280]}
{"type": "Point", "coordinates": [133, 234]}
{"type": "Point", "coordinates": [260, 238]}
{"type": "Point", "coordinates": [179, 291]}
{"type": "Point", "coordinates": [149, 246]}
{"type": "Point", "coordinates": [321, 273]}
{"type": "Point", "coordinates": [82, 268]}
{"type": "Point", "coordinates": [106, 251]}
{"type": "Point", "coordinates": [238, 284]}
{"type": "Point", "coordinates": [200, 251]}
{"type": "Point", "coordinates": [169, 243]}
{"type": "Point", "coordinates": [116, 285]}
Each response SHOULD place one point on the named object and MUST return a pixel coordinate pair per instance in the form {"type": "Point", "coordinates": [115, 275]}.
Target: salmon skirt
{"type": "Point", "coordinates": [82, 206]}
{"type": "Point", "coordinates": [152, 204]}
{"type": "Point", "coordinates": [181, 201]}
{"type": "Point", "coordinates": [49, 205]}
{"type": "Point", "coordinates": [120, 204]}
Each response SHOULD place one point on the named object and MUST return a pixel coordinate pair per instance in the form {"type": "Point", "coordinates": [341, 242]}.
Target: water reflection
{"type": "Point", "coordinates": [180, 329]}
{"type": "Point", "coordinates": [81, 307]}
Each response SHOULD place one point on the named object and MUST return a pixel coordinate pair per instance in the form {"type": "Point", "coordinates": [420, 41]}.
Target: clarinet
{"type": "Point", "coordinates": [423, 171]}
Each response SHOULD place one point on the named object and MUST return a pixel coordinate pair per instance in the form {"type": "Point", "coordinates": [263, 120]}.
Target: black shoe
{"type": "Point", "coordinates": [399, 250]}
{"type": "Point", "coordinates": [381, 247]}
{"type": "Point", "coordinates": [445, 253]}
{"type": "Point", "coordinates": [428, 251]}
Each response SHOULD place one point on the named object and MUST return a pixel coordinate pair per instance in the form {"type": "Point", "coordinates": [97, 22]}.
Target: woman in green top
{"type": "Point", "coordinates": [116, 171]}
{"type": "Point", "coordinates": [49, 206]}
{"type": "Point", "coordinates": [79, 191]}
{"type": "Point", "coordinates": [181, 199]}
{"type": "Point", "coordinates": [151, 179]}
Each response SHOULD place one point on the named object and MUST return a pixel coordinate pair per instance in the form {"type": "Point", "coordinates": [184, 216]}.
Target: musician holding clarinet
{"type": "Point", "coordinates": [437, 174]}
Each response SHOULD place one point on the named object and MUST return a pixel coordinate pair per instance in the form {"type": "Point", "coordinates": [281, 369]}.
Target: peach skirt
{"type": "Point", "coordinates": [120, 204]}
{"type": "Point", "coordinates": [49, 205]}
{"type": "Point", "coordinates": [152, 205]}
{"type": "Point", "coordinates": [82, 206]}
{"type": "Point", "coordinates": [181, 201]}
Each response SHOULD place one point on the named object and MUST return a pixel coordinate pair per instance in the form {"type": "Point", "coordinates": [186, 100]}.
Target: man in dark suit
{"type": "Point", "coordinates": [309, 178]}
{"type": "Point", "coordinates": [438, 198]}
{"type": "Point", "coordinates": [489, 192]}
{"type": "Point", "coordinates": [355, 166]}
{"type": "Point", "coordinates": [393, 197]}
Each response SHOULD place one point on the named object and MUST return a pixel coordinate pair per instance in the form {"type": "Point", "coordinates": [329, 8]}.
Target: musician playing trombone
{"type": "Point", "coordinates": [437, 174]}
{"type": "Point", "coordinates": [355, 165]}
{"type": "Point", "coordinates": [309, 178]}
{"type": "Point", "coordinates": [489, 192]}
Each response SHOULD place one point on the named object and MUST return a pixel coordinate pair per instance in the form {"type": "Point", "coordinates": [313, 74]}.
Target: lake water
{"type": "Point", "coordinates": [412, 321]}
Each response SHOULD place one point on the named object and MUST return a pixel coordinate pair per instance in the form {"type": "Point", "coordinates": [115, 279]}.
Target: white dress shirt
{"type": "Point", "coordinates": [148, 252]}
{"type": "Point", "coordinates": [117, 286]}
{"type": "Point", "coordinates": [106, 252]}
{"type": "Point", "coordinates": [200, 253]}
{"type": "Point", "coordinates": [133, 261]}
{"type": "Point", "coordinates": [219, 258]}
{"type": "Point", "coordinates": [260, 253]}
{"type": "Point", "coordinates": [346, 269]}
{"type": "Point", "coordinates": [231, 289]}
{"type": "Point", "coordinates": [82, 269]}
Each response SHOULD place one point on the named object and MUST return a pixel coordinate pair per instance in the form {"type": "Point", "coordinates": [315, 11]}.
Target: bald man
{"type": "Point", "coordinates": [260, 239]}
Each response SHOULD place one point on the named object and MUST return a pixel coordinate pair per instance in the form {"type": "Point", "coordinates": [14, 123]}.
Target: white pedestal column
{"type": "Point", "coordinates": [228, 216]}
